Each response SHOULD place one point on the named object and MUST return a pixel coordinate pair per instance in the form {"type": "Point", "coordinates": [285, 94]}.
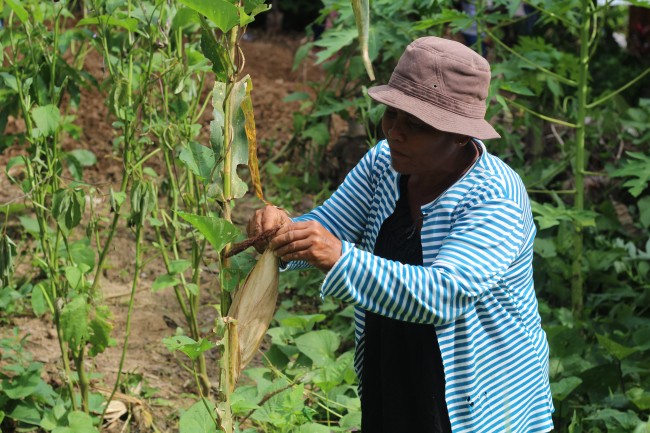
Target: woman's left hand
{"type": "Point", "coordinates": [308, 241]}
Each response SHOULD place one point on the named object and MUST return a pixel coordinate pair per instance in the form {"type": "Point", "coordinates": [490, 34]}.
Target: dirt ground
{"type": "Point", "coordinates": [156, 315]}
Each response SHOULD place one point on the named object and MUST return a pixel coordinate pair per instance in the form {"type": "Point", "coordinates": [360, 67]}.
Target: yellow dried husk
{"type": "Point", "coordinates": [253, 307]}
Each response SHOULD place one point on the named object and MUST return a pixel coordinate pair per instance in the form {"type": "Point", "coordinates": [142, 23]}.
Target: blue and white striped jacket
{"type": "Point", "coordinates": [476, 286]}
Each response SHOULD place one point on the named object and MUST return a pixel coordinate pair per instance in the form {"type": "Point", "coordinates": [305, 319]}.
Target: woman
{"type": "Point", "coordinates": [431, 238]}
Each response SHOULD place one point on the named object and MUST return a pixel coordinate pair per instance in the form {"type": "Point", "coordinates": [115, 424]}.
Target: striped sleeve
{"type": "Point", "coordinates": [345, 213]}
{"type": "Point", "coordinates": [483, 241]}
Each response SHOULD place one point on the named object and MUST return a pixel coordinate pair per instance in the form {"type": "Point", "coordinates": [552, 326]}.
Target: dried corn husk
{"type": "Point", "coordinates": [252, 308]}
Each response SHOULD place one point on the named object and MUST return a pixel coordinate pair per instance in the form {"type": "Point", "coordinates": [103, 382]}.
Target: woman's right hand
{"type": "Point", "coordinates": [267, 218]}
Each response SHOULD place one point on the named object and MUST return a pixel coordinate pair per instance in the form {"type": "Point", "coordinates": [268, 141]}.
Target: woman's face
{"type": "Point", "coordinates": [417, 148]}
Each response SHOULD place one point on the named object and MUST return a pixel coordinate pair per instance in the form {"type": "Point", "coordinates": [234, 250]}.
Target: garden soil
{"type": "Point", "coordinates": [155, 373]}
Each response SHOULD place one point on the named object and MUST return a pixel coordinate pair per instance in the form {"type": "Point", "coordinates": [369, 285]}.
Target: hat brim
{"type": "Point", "coordinates": [437, 117]}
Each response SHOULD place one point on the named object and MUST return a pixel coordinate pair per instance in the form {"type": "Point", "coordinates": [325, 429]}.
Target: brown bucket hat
{"type": "Point", "coordinates": [444, 84]}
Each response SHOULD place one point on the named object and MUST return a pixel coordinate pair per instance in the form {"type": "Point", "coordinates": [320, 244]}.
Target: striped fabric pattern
{"type": "Point", "coordinates": [476, 286]}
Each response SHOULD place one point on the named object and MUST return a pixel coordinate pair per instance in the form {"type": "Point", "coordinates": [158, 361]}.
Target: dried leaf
{"type": "Point", "coordinates": [253, 308]}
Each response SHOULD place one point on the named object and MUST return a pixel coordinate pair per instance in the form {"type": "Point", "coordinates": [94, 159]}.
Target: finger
{"type": "Point", "coordinates": [294, 249]}
{"type": "Point", "coordinates": [269, 218]}
{"type": "Point", "coordinates": [288, 234]}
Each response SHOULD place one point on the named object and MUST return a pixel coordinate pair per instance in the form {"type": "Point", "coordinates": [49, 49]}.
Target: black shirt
{"type": "Point", "coordinates": [403, 379]}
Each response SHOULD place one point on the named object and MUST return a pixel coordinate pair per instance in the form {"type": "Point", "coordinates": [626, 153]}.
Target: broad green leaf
{"type": "Point", "coordinates": [314, 428]}
{"type": "Point", "coordinates": [351, 421]}
{"type": "Point", "coordinates": [319, 346]}
{"type": "Point", "coordinates": [304, 322]}
{"type": "Point", "coordinates": [639, 397]}
{"type": "Point", "coordinates": [197, 419]}
{"type": "Point", "coordinates": [74, 276]}
{"type": "Point", "coordinates": [83, 255]}
{"type": "Point", "coordinates": [216, 53]}
{"type": "Point", "coordinates": [26, 412]}
{"type": "Point", "coordinates": [163, 281]}
{"type": "Point", "coordinates": [10, 81]}
{"type": "Point", "coordinates": [564, 387]}
{"type": "Point", "coordinates": [38, 300]}
{"type": "Point", "coordinates": [74, 321]}
{"type": "Point", "coordinates": [615, 349]}
{"type": "Point", "coordinates": [221, 13]}
{"type": "Point", "coordinates": [100, 331]}
{"type": "Point", "coordinates": [47, 119]}
{"type": "Point", "coordinates": [185, 17]}
{"type": "Point", "coordinates": [187, 345]}
{"type": "Point", "coordinates": [217, 231]}
{"type": "Point", "coordinates": [19, 10]}
{"type": "Point", "coordinates": [198, 159]}
{"type": "Point", "coordinates": [179, 266]}
{"type": "Point", "coordinates": [85, 157]}
{"type": "Point", "coordinates": [80, 422]}
{"type": "Point", "coordinates": [130, 24]}
{"type": "Point", "coordinates": [23, 385]}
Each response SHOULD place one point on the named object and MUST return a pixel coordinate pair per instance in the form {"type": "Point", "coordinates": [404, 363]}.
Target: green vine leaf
{"type": "Point", "coordinates": [217, 231]}
{"type": "Point", "coordinates": [221, 13]}
{"type": "Point", "coordinates": [74, 322]}
{"type": "Point", "coordinates": [130, 24]}
{"type": "Point", "coordinates": [197, 419]}
{"type": "Point", "coordinates": [47, 119]}
{"type": "Point", "coordinates": [187, 345]}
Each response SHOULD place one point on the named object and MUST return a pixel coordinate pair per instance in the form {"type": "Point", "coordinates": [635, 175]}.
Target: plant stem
{"type": "Point", "coordinates": [577, 295]}
{"type": "Point", "coordinates": [84, 384]}
{"type": "Point", "coordinates": [127, 331]}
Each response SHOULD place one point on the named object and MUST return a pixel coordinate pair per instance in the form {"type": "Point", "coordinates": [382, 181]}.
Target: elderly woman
{"type": "Point", "coordinates": [431, 238]}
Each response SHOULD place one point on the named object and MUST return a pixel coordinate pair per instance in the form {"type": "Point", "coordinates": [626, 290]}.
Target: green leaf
{"type": "Point", "coordinates": [319, 346]}
{"type": "Point", "coordinates": [74, 321]}
{"type": "Point", "coordinates": [83, 255]}
{"type": "Point", "coordinates": [67, 208]}
{"type": "Point", "coordinates": [644, 211]}
{"type": "Point", "coordinates": [100, 331]}
{"type": "Point", "coordinates": [80, 422]}
{"type": "Point", "coordinates": [639, 397]}
{"type": "Point", "coordinates": [130, 24]}
{"type": "Point", "coordinates": [163, 281]}
{"type": "Point", "coordinates": [564, 387]}
{"type": "Point", "coordinates": [197, 419]}
{"type": "Point", "coordinates": [24, 384]}
{"type": "Point", "coordinates": [217, 231]}
{"type": "Point", "coordinates": [216, 53]}
{"type": "Point", "coordinates": [19, 10]}
{"type": "Point", "coordinates": [185, 17]}
{"type": "Point", "coordinates": [47, 119]}
{"type": "Point", "coordinates": [26, 412]}
{"type": "Point", "coordinates": [85, 157]}
{"type": "Point", "coordinates": [11, 82]}
{"type": "Point", "coordinates": [333, 43]}
{"type": "Point", "coordinates": [74, 276]}
{"type": "Point", "coordinates": [198, 159]}
{"type": "Point", "coordinates": [221, 13]}
{"type": "Point", "coordinates": [615, 349]}
{"type": "Point", "coordinates": [179, 266]}
{"type": "Point", "coordinates": [38, 300]}
{"type": "Point", "coordinates": [314, 428]}
{"type": "Point", "coordinates": [187, 345]}
{"type": "Point", "coordinates": [638, 168]}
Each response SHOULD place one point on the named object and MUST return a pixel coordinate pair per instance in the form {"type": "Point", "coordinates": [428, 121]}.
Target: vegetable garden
{"type": "Point", "coordinates": [126, 239]}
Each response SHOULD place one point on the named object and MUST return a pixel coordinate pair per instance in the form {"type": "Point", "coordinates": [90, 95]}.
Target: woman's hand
{"type": "Point", "coordinates": [265, 219]}
{"type": "Point", "coordinates": [308, 241]}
